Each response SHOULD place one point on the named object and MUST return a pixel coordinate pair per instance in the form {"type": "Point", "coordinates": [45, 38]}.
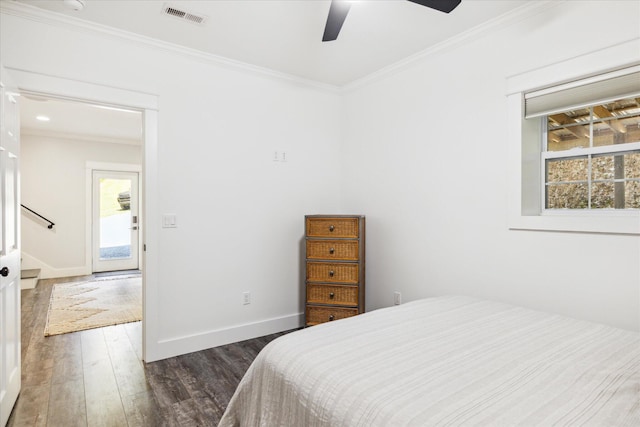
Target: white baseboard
{"type": "Point", "coordinates": [49, 272]}
{"type": "Point", "coordinates": [28, 283]}
{"type": "Point", "coordinates": [164, 349]}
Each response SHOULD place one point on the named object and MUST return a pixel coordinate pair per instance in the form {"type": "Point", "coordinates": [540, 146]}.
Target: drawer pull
{"type": "Point", "coordinates": [331, 228]}
{"type": "Point", "coordinates": [331, 295]}
{"type": "Point", "coordinates": [331, 273]}
{"type": "Point", "coordinates": [332, 250]}
{"type": "Point", "coordinates": [331, 317]}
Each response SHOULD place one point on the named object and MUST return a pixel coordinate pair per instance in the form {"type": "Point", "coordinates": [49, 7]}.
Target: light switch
{"type": "Point", "coordinates": [279, 156]}
{"type": "Point", "coordinates": [169, 221]}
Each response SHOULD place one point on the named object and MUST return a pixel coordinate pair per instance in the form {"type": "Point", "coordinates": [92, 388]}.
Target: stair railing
{"type": "Point", "coordinates": [51, 224]}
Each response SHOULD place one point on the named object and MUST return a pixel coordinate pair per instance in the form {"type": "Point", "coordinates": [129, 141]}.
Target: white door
{"type": "Point", "coordinates": [9, 247]}
{"type": "Point", "coordinates": [116, 222]}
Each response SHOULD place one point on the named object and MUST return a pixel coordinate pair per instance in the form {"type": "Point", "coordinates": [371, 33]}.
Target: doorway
{"type": "Point", "coordinates": [115, 221]}
{"type": "Point", "coordinates": [109, 96]}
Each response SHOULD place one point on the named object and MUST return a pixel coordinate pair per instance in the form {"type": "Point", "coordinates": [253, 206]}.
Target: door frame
{"type": "Point", "coordinates": [89, 233]}
{"type": "Point", "coordinates": [83, 91]}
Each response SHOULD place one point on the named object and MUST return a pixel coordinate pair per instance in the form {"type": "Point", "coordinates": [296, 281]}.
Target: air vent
{"type": "Point", "coordinates": [183, 15]}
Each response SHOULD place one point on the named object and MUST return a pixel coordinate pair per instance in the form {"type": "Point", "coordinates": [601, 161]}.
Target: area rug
{"type": "Point", "coordinates": [77, 306]}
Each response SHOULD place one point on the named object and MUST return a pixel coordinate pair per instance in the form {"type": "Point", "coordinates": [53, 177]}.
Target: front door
{"type": "Point", "coordinates": [116, 221]}
{"type": "Point", "coordinates": [10, 370]}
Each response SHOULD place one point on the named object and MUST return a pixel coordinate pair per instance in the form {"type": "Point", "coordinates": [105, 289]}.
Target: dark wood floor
{"type": "Point", "coordinates": [97, 377]}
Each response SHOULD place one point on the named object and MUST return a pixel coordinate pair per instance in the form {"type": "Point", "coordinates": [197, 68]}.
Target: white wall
{"type": "Point", "coordinates": [53, 172]}
{"type": "Point", "coordinates": [422, 153]}
{"type": "Point", "coordinates": [428, 149]}
{"type": "Point", "coordinates": [240, 215]}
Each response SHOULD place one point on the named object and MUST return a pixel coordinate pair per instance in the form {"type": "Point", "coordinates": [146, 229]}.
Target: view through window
{"type": "Point", "coordinates": [591, 158]}
{"type": "Point", "coordinates": [115, 218]}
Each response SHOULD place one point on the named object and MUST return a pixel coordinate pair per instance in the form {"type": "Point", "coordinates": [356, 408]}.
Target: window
{"type": "Point", "coordinates": [591, 157]}
{"type": "Point", "coordinates": [574, 144]}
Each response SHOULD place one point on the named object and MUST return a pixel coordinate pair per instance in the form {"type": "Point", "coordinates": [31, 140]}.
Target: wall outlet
{"type": "Point", "coordinates": [246, 298]}
{"type": "Point", "coordinates": [397, 298]}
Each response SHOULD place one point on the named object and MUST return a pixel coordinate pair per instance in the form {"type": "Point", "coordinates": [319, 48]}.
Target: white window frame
{"type": "Point", "coordinates": [525, 143]}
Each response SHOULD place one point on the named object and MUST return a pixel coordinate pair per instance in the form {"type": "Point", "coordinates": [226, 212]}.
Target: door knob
{"type": "Point", "coordinates": [4, 272]}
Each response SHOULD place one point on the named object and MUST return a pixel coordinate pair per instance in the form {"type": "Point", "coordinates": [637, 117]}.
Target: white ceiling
{"type": "Point", "coordinates": [280, 35]}
{"type": "Point", "coordinates": [285, 35]}
{"type": "Point", "coordinates": [75, 120]}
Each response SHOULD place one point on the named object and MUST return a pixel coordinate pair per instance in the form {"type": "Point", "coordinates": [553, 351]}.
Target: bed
{"type": "Point", "coordinates": [444, 361]}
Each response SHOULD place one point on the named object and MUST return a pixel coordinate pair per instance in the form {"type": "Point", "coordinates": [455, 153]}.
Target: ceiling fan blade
{"type": "Point", "coordinates": [445, 6]}
{"type": "Point", "coordinates": [337, 14]}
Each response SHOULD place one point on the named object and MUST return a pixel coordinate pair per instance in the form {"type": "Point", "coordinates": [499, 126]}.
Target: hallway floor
{"type": "Point", "coordinates": [97, 378]}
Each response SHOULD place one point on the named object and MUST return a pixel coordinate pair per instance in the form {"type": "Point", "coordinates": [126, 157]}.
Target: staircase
{"type": "Point", "coordinates": [29, 278]}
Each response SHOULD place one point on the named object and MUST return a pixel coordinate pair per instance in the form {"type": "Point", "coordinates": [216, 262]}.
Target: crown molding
{"type": "Point", "coordinates": [504, 20]}
{"type": "Point", "coordinates": [33, 13]}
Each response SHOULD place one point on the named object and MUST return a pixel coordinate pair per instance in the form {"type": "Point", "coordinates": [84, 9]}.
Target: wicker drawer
{"type": "Point", "coordinates": [332, 227]}
{"type": "Point", "coordinates": [333, 249]}
{"type": "Point", "coordinates": [317, 315]}
{"type": "Point", "coordinates": [335, 295]}
{"type": "Point", "coordinates": [332, 272]}
{"type": "Point", "coordinates": [335, 268]}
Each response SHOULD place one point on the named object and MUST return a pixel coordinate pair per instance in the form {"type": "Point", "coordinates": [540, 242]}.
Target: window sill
{"type": "Point", "coordinates": [580, 222]}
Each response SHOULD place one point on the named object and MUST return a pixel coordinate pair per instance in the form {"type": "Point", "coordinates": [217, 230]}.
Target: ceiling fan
{"type": "Point", "coordinates": [339, 9]}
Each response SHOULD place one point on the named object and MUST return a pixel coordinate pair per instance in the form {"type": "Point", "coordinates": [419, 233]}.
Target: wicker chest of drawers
{"type": "Point", "coordinates": [335, 270]}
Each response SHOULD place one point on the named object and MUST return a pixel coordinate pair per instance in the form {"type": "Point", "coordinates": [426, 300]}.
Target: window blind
{"type": "Point", "coordinates": [584, 93]}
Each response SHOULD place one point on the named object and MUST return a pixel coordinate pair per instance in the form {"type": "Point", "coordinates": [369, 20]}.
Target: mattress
{"type": "Point", "coordinates": [445, 361]}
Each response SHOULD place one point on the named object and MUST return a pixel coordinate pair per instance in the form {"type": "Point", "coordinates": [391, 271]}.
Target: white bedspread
{"type": "Point", "coordinates": [444, 361]}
